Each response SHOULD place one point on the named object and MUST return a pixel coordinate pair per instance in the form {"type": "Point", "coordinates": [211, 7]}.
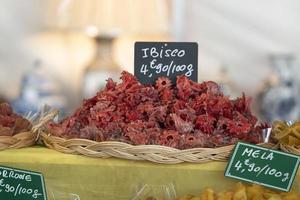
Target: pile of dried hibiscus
{"type": "Point", "coordinates": [185, 115]}
{"type": "Point", "coordinates": [11, 123]}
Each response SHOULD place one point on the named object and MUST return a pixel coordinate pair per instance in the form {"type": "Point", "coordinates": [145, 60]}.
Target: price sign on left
{"type": "Point", "coordinates": [21, 184]}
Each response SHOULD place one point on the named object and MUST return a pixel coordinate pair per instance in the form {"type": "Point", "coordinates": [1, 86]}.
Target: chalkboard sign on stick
{"type": "Point", "coordinates": [254, 164]}
{"type": "Point", "coordinates": [170, 59]}
{"type": "Point", "coordinates": [20, 184]}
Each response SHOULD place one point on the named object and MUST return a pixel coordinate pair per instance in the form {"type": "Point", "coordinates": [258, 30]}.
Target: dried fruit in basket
{"type": "Point", "coordinates": [11, 123]}
{"type": "Point", "coordinates": [243, 192]}
{"type": "Point", "coordinates": [286, 134]}
{"type": "Point", "coordinates": [184, 115]}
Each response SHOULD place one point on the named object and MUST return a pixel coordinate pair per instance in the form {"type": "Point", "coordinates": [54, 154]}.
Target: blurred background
{"type": "Point", "coordinates": [58, 52]}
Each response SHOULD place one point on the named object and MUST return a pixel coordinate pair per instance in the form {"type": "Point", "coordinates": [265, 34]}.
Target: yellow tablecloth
{"type": "Point", "coordinates": [79, 177]}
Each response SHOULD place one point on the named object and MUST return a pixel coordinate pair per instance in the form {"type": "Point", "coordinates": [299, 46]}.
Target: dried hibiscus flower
{"type": "Point", "coordinates": [184, 115]}
{"type": "Point", "coordinates": [11, 123]}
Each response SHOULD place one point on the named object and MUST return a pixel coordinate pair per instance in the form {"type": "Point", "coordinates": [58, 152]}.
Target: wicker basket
{"type": "Point", "coordinates": [28, 138]}
{"type": "Point", "coordinates": [153, 153]}
{"type": "Point", "coordinates": [24, 139]}
{"type": "Point", "coordinates": [290, 149]}
{"type": "Point", "coordinates": [19, 140]}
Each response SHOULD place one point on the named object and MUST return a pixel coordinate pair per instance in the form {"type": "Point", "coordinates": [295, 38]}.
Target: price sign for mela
{"type": "Point", "coordinates": [170, 59]}
{"type": "Point", "coordinates": [274, 169]}
{"type": "Point", "coordinates": [20, 184]}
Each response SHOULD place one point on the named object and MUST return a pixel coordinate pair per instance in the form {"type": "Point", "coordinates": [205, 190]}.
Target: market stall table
{"type": "Point", "coordinates": [79, 177]}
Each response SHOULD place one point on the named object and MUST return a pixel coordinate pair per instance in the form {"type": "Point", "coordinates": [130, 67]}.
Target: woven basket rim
{"type": "Point", "coordinates": [19, 140]}
{"type": "Point", "coordinates": [25, 138]}
{"type": "Point", "coordinates": [112, 142]}
{"type": "Point", "coordinates": [294, 149]}
{"type": "Point", "coordinates": [153, 153]}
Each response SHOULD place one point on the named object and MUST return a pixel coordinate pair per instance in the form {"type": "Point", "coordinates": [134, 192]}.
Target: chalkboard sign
{"type": "Point", "coordinates": [20, 184]}
{"type": "Point", "coordinates": [170, 59]}
{"type": "Point", "coordinates": [274, 169]}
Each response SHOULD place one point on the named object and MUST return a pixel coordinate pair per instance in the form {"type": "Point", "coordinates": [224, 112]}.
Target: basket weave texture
{"type": "Point", "coordinates": [290, 148]}
{"type": "Point", "coordinates": [19, 140]}
{"type": "Point", "coordinates": [153, 153]}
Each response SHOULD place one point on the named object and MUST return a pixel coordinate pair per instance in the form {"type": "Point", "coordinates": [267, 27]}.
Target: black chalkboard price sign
{"type": "Point", "coordinates": [170, 59]}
